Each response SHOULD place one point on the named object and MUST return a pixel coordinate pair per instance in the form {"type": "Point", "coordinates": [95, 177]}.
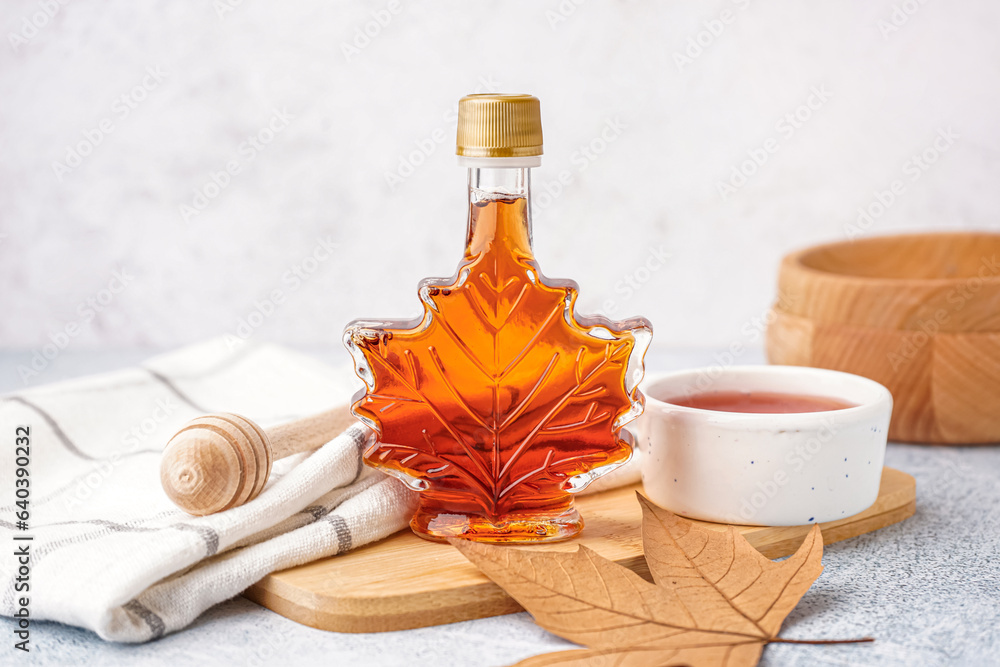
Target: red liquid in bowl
{"type": "Point", "coordinates": [761, 402]}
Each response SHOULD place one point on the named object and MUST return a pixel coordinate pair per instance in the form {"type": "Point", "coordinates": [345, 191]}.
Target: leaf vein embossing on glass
{"type": "Point", "coordinates": [503, 382]}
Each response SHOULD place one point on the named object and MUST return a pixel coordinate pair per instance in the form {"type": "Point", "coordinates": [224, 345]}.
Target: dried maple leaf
{"type": "Point", "coordinates": [499, 397]}
{"type": "Point", "coordinates": [716, 600]}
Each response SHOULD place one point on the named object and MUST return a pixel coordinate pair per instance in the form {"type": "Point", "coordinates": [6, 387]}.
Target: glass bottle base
{"type": "Point", "coordinates": [512, 530]}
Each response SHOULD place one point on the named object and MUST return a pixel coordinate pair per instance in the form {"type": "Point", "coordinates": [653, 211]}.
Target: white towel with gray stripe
{"type": "Point", "coordinates": [109, 551]}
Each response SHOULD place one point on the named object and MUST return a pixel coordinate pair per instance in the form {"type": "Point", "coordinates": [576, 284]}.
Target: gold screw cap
{"type": "Point", "coordinates": [495, 125]}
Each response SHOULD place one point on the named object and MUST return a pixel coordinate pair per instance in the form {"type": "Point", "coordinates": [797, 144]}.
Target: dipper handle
{"type": "Point", "coordinates": [308, 433]}
{"type": "Point", "coordinates": [217, 462]}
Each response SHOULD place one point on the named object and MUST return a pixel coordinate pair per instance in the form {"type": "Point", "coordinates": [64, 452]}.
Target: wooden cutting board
{"type": "Point", "coordinates": [405, 582]}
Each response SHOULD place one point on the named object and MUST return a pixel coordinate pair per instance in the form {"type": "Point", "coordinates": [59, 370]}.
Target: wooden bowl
{"type": "Point", "coordinates": [918, 313]}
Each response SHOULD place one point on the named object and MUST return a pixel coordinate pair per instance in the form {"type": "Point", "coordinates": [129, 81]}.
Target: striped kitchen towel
{"type": "Point", "coordinates": [108, 550]}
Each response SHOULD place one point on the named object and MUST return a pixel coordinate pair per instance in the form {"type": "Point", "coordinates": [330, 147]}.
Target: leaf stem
{"type": "Point", "coordinates": [778, 640]}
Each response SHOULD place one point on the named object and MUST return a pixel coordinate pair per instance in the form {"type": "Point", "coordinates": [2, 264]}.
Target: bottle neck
{"type": "Point", "coordinates": [499, 209]}
{"type": "Point", "coordinates": [499, 183]}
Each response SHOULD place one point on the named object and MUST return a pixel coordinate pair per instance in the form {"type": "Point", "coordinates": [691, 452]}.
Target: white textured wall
{"type": "Point", "coordinates": [676, 131]}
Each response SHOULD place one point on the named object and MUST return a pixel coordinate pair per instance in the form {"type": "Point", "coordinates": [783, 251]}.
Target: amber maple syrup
{"type": "Point", "coordinates": [760, 402]}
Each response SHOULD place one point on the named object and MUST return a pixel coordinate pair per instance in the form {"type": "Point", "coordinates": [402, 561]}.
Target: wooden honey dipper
{"type": "Point", "coordinates": [221, 461]}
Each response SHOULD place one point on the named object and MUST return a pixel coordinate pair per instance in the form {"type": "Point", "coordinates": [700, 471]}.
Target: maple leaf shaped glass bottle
{"type": "Point", "coordinates": [499, 402]}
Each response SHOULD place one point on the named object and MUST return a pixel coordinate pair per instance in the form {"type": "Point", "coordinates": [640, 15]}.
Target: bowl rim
{"type": "Point", "coordinates": [882, 394]}
{"type": "Point", "coordinates": [795, 259]}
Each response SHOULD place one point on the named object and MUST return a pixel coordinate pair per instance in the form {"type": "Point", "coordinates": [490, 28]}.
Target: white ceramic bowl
{"type": "Point", "coordinates": [763, 469]}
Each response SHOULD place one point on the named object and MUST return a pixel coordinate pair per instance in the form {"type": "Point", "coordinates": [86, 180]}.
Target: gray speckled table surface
{"type": "Point", "coordinates": [927, 589]}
